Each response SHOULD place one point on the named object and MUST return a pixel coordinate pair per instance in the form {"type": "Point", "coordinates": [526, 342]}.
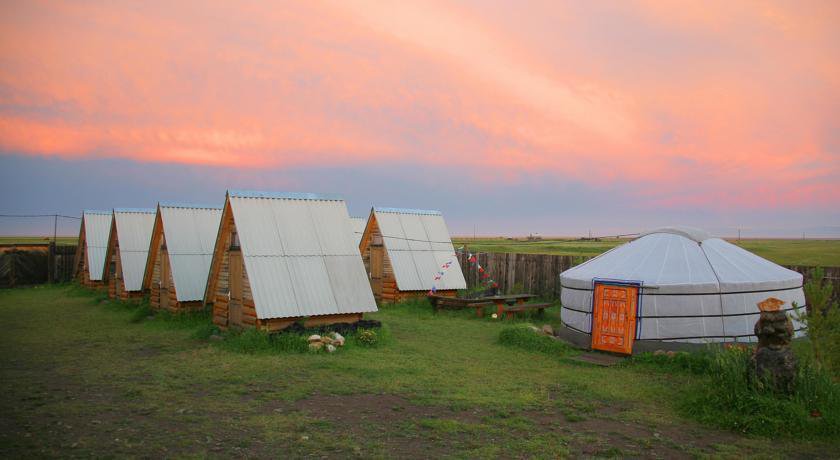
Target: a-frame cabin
{"type": "Point", "coordinates": [90, 253]}
{"type": "Point", "coordinates": [183, 238]}
{"type": "Point", "coordinates": [128, 248]}
{"type": "Point", "coordinates": [282, 258]}
{"type": "Point", "coordinates": [404, 250]}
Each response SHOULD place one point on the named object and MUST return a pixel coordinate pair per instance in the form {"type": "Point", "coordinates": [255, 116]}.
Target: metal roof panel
{"type": "Point", "coordinates": [97, 229]}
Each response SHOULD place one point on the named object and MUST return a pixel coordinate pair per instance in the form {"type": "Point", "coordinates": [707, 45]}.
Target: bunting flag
{"type": "Point", "coordinates": [484, 277]}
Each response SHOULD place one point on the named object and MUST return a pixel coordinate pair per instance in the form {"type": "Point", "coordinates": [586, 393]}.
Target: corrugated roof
{"type": "Point", "coordinates": [284, 195]}
{"type": "Point", "coordinates": [97, 226]}
{"type": "Point", "coordinates": [190, 234]}
{"type": "Point", "coordinates": [418, 245]}
{"type": "Point", "coordinates": [427, 212]}
{"type": "Point", "coordinates": [300, 254]}
{"type": "Point", "coordinates": [134, 231]}
{"type": "Point", "coordinates": [358, 224]}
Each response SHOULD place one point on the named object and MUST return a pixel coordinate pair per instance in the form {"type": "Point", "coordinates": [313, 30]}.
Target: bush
{"type": "Point", "coordinates": [522, 336]}
{"type": "Point", "coordinates": [823, 322]}
{"type": "Point", "coordinates": [366, 338]}
{"type": "Point", "coordinates": [729, 399]}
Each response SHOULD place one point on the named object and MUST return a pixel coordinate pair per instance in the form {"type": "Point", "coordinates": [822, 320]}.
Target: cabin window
{"type": "Point", "coordinates": [234, 240]}
{"type": "Point", "coordinates": [113, 269]}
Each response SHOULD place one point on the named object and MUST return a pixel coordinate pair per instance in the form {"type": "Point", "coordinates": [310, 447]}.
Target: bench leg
{"type": "Point", "coordinates": [508, 315]}
{"type": "Point", "coordinates": [479, 311]}
{"type": "Point", "coordinates": [500, 309]}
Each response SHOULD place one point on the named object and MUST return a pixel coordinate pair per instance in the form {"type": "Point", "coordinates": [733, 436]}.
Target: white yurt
{"type": "Point", "coordinates": [691, 287]}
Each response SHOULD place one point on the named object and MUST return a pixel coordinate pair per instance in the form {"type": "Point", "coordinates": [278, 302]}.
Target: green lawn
{"type": "Point", "coordinates": [80, 379]}
{"type": "Point", "coordinates": [825, 253]}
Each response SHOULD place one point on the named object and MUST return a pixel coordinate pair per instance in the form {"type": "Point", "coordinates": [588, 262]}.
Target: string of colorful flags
{"type": "Point", "coordinates": [484, 277]}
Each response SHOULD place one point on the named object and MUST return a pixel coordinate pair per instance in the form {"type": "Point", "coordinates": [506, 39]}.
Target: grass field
{"type": "Point", "coordinates": [22, 240]}
{"type": "Point", "coordinates": [825, 253]}
{"type": "Point", "coordinates": [81, 379]}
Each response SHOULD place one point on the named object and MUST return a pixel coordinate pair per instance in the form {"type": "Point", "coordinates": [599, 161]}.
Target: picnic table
{"type": "Point", "coordinates": [439, 302]}
{"type": "Point", "coordinates": [506, 305]}
{"type": "Point", "coordinates": [501, 301]}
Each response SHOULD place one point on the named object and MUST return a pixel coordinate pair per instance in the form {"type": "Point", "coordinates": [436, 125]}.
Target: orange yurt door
{"type": "Point", "coordinates": [614, 316]}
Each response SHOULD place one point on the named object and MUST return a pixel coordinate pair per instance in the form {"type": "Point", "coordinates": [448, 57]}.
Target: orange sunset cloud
{"type": "Point", "coordinates": [690, 104]}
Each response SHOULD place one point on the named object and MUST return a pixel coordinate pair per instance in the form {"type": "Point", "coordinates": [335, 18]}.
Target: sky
{"type": "Point", "coordinates": [558, 118]}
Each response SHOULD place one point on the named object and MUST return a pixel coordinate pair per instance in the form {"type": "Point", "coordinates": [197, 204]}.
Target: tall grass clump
{"type": "Point", "coordinates": [729, 399]}
{"type": "Point", "coordinates": [822, 320]}
{"type": "Point", "coordinates": [252, 341]}
{"type": "Point", "coordinates": [698, 362]}
{"type": "Point", "coordinates": [522, 336]}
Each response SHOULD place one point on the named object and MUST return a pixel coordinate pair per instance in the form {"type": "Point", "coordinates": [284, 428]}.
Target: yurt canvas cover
{"type": "Point", "coordinates": [694, 288]}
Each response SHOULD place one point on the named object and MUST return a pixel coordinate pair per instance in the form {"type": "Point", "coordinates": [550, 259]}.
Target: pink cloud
{"type": "Point", "coordinates": [688, 105]}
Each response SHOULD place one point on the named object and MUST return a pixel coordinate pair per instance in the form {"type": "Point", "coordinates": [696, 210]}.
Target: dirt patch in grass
{"type": "Point", "coordinates": [600, 433]}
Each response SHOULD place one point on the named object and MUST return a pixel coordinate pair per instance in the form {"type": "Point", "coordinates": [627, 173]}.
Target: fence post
{"type": "Point", "coordinates": [51, 263]}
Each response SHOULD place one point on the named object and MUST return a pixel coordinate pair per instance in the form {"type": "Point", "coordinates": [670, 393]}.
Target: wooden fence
{"type": "Point", "coordinates": [36, 264]}
{"type": "Point", "coordinates": [540, 274]}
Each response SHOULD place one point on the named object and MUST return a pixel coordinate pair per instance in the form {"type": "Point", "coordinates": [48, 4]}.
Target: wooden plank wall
{"type": "Point", "coordinates": [540, 274]}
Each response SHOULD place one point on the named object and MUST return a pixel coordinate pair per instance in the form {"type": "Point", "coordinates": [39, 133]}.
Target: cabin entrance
{"type": "Point", "coordinates": [115, 273]}
{"type": "Point", "coordinates": [164, 279]}
{"type": "Point", "coordinates": [235, 302]}
{"type": "Point", "coordinates": [614, 316]}
{"type": "Point", "coordinates": [377, 262]}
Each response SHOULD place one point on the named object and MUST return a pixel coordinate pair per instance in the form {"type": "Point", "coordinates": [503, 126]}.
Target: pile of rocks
{"type": "Point", "coordinates": [773, 359]}
{"type": "Point", "coordinates": [329, 342]}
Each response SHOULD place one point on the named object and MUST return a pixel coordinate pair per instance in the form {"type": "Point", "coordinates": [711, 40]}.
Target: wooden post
{"type": "Point", "coordinates": [51, 263]}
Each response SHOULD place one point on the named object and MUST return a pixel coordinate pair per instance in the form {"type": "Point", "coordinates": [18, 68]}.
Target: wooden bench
{"type": "Point", "coordinates": [513, 309]}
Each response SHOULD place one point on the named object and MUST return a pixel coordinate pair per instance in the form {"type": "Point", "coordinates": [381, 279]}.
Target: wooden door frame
{"type": "Point", "coordinates": [639, 285]}
{"type": "Point", "coordinates": [165, 273]}
{"type": "Point", "coordinates": [241, 268]}
{"type": "Point", "coordinates": [380, 263]}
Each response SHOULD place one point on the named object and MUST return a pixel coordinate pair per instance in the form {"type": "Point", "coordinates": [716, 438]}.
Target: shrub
{"type": "Point", "coordinates": [823, 322]}
{"type": "Point", "coordinates": [522, 336]}
{"type": "Point", "coordinates": [366, 338]}
{"type": "Point", "coordinates": [727, 398]}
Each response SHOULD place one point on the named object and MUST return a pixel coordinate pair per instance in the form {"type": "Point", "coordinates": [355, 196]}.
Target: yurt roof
{"type": "Point", "coordinates": [683, 261]}
{"type": "Point", "coordinates": [134, 232]}
{"type": "Point", "coordinates": [418, 244]}
{"type": "Point", "coordinates": [300, 254]}
{"type": "Point", "coordinates": [97, 226]}
{"type": "Point", "coordinates": [190, 232]}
